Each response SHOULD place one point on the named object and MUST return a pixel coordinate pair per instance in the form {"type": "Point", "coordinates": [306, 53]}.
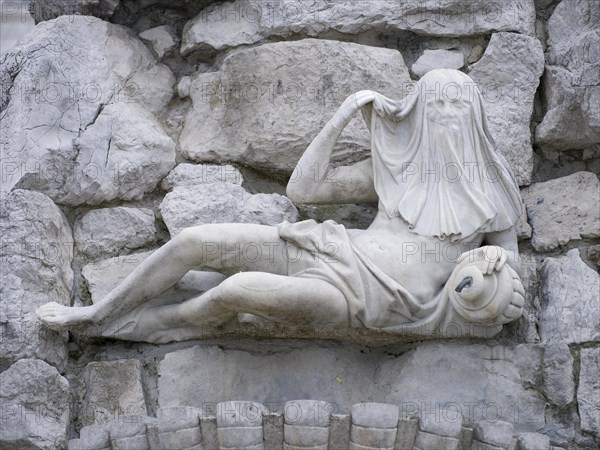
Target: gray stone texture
{"type": "Point", "coordinates": [588, 392]}
{"type": "Point", "coordinates": [35, 406]}
{"type": "Point", "coordinates": [339, 431]}
{"type": "Point", "coordinates": [532, 441]}
{"type": "Point", "coordinates": [287, 376]}
{"type": "Point", "coordinates": [558, 383]}
{"type": "Point", "coordinates": [437, 59]}
{"type": "Point", "coordinates": [571, 85]}
{"type": "Point", "coordinates": [187, 175]}
{"type": "Point", "coordinates": [245, 22]}
{"type": "Point", "coordinates": [78, 105]}
{"type": "Point", "coordinates": [50, 9]}
{"type": "Point", "coordinates": [111, 389]}
{"type": "Point", "coordinates": [563, 210]}
{"type": "Point", "coordinates": [497, 433]}
{"type": "Point", "coordinates": [481, 382]}
{"type": "Point", "coordinates": [508, 75]}
{"type": "Point", "coordinates": [273, 430]}
{"type": "Point", "coordinates": [188, 206]}
{"type": "Point", "coordinates": [267, 120]}
{"type": "Point", "coordinates": [35, 268]}
{"type": "Point", "coordinates": [163, 39]}
{"type": "Point", "coordinates": [112, 231]}
{"type": "Point", "coordinates": [569, 298]}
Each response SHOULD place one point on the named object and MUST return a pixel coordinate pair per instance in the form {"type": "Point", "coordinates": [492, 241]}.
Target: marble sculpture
{"type": "Point", "coordinates": [441, 251]}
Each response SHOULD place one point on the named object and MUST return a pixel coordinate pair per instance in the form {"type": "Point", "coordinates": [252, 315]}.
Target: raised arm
{"type": "Point", "coordinates": [313, 181]}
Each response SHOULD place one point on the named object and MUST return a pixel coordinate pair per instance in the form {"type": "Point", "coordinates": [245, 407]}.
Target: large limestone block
{"type": "Point", "coordinates": [508, 75]}
{"type": "Point", "coordinates": [36, 250]}
{"type": "Point", "coordinates": [266, 104]}
{"type": "Point", "coordinates": [558, 382]}
{"type": "Point", "coordinates": [111, 389]}
{"type": "Point", "coordinates": [269, 377]}
{"type": "Point", "coordinates": [79, 98]}
{"type": "Point", "coordinates": [588, 393]}
{"type": "Point", "coordinates": [563, 210]}
{"type": "Point", "coordinates": [35, 406]}
{"type": "Point", "coordinates": [475, 381]}
{"type": "Point", "coordinates": [189, 206]}
{"type": "Point", "coordinates": [110, 231]}
{"type": "Point", "coordinates": [246, 22]}
{"type": "Point", "coordinates": [572, 80]}
{"type": "Point", "coordinates": [194, 174]}
{"type": "Point", "coordinates": [569, 290]}
{"type": "Point", "coordinates": [438, 59]}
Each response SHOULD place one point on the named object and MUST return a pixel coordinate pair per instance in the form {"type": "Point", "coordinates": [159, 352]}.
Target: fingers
{"type": "Point", "coordinates": [501, 261]}
{"type": "Point", "coordinates": [364, 97]}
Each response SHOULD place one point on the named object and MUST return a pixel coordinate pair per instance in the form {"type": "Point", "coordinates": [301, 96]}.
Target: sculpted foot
{"type": "Point", "coordinates": [58, 317]}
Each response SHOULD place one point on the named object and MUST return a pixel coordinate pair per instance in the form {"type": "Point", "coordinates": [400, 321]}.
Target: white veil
{"type": "Point", "coordinates": [434, 160]}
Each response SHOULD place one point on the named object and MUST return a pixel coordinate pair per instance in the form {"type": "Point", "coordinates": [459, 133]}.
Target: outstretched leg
{"type": "Point", "coordinates": [281, 299]}
{"type": "Point", "coordinates": [225, 248]}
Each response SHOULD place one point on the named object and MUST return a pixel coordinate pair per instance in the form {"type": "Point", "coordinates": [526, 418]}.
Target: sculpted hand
{"type": "Point", "coordinates": [350, 106]}
{"type": "Point", "coordinates": [494, 258]}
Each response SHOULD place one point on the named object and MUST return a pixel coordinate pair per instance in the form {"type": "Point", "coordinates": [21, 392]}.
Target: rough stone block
{"type": "Point", "coordinates": [375, 415]}
{"type": "Point", "coordinates": [208, 425]}
{"type": "Point", "coordinates": [239, 414]}
{"type": "Point", "coordinates": [179, 417]}
{"type": "Point", "coordinates": [571, 79]}
{"type": "Point", "coordinates": [95, 437]}
{"type": "Point", "coordinates": [130, 443]}
{"type": "Point", "coordinates": [110, 231]}
{"type": "Point", "coordinates": [438, 59]}
{"type": "Point", "coordinates": [444, 422]}
{"type": "Point", "coordinates": [465, 439]}
{"type": "Point", "coordinates": [195, 174]}
{"type": "Point", "coordinates": [428, 441]}
{"type": "Point", "coordinates": [81, 113]}
{"type": "Point", "coordinates": [508, 75]}
{"type": "Point", "coordinates": [189, 206]}
{"type": "Point", "coordinates": [112, 389]}
{"type": "Point", "coordinates": [533, 441]}
{"type": "Point", "coordinates": [557, 219]}
{"type": "Point", "coordinates": [288, 371]}
{"type": "Point", "coordinates": [312, 413]}
{"type": "Point", "coordinates": [373, 437]}
{"type": "Point", "coordinates": [180, 439]}
{"type": "Point", "coordinates": [472, 374]}
{"type": "Point", "coordinates": [478, 445]}
{"type": "Point", "coordinates": [495, 432]}
{"type": "Point", "coordinates": [295, 89]}
{"type": "Point", "coordinates": [163, 39]}
{"type": "Point", "coordinates": [588, 392]}
{"type": "Point", "coordinates": [244, 22]}
{"type": "Point", "coordinates": [339, 431]}
{"type": "Point", "coordinates": [273, 431]}
{"type": "Point", "coordinates": [569, 291]}
{"type": "Point", "coordinates": [305, 436]}
{"type": "Point", "coordinates": [240, 437]}
{"type": "Point", "coordinates": [407, 432]}
{"type": "Point", "coordinates": [35, 268]}
{"type": "Point", "coordinates": [558, 382]}
{"type": "Point", "coordinates": [34, 399]}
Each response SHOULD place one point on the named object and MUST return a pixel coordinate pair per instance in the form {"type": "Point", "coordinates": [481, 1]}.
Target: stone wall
{"type": "Point", "coordinates": [125, 122]}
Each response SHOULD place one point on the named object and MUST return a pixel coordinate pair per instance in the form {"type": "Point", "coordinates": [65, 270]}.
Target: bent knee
{"type": "Point", "coordinates": [238, 285]}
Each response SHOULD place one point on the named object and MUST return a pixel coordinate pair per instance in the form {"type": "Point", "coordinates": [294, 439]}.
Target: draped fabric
{"type": "Point", "coordinates": [434, 161]}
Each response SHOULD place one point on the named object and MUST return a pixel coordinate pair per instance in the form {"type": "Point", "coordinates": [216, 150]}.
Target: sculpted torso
{"type": "Point", "coordinates": [422, 263]}
{"type": "Point", "coordinates": [425, 238]}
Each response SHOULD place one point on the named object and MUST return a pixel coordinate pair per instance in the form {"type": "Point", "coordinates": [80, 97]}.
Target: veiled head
{"type": "Point", "coordinates": [435, 162]}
